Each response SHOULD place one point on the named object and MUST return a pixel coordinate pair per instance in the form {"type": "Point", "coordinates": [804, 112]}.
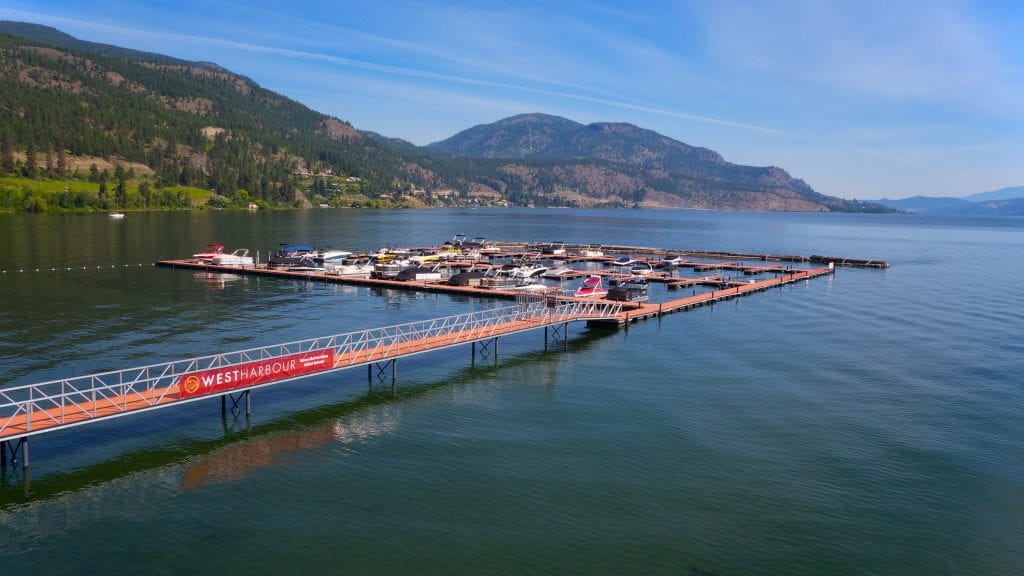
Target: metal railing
{"type": "Point", "coordinates": [71, 401]}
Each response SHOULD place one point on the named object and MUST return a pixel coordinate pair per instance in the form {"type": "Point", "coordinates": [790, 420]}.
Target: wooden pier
{"type": "Point", "coordinates": [33, 409]}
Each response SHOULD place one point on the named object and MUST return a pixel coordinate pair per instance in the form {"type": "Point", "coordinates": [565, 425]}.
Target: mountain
{"type": "Point", "coordinates": [957, 206]}
{"type": "Point", "coordinates": [602, 161]}
{"type": "Point", "coordinates": [160, 122]}
{"type": "Point", "coordinates": [1001, 194]}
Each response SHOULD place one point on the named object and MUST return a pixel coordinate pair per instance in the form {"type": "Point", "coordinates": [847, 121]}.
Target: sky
{"type": "Point", "coordinates": [862, 100]}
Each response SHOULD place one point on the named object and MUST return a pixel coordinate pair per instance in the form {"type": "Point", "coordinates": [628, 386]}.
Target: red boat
{"type": "Point", "coordinates": [206, 257]}
{"type": "Point", "coordinates": [591, 287]}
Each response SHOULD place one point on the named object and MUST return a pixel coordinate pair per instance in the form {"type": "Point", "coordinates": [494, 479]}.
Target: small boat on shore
{"type": "Point", "coordinates": [591, 288]}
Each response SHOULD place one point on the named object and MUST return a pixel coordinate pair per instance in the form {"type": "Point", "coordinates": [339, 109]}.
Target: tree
{"type": "Point", "coordinates": [62, 162]}
{"type": "Point", "coordinates": [144, 193]}
{"type": "Point", "coordinates": [102, 194]}
{"type": "Point", "coordinates": [121, 192]}
{"type": "Point", "coordinates": [30, 170]}
{"type": "Point", "coordinates": [49, 160]}
{"type": "Point", "coordinates": [6, 154]}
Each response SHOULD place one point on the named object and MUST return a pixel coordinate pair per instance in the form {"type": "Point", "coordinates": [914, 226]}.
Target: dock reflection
{"type": "Point", "coordinates": [236, 461]}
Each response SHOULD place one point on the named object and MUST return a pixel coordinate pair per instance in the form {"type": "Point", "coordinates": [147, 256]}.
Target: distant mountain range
{"type": "Point", "coordinates": [1002, 202]}
{"type": "Point", "coordinates": [195, 123]}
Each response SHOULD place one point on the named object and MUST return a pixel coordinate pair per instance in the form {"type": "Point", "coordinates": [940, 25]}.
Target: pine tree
{"type": "Point", "coordinates": [6, 154]}
{"type": "Point", "coordinates": [121, 192]}
{"type": "Point", "coordinates": [62, 163]}
{"type": "Point", "coordinates": [30, 170]}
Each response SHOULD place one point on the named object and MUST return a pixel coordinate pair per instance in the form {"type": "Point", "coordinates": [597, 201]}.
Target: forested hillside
{"type": "Point", "coordinates": [93, 126]}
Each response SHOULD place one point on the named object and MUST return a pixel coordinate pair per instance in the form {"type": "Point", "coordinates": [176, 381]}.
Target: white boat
{"type": "Point", "coordinates": [532, 287]}
{"type": "Point", "coordinates": [592, 251]}
{"type": "Point", "coordinates": [239, 257]}
{"type": "Point", "coordinates": [671, 260]}
{"type": "Point", "coordinates": [331, 255]}
{"type": "Point", "coordinates": [591, 287]}
{"type": "Point", "coordinates": [641, 268]}
{"type": "Point", "coordinates": [554, 249]}
{"type": "Point", "coordinates": [356, 268]}
{"type": "Point", "coordinates": [560, 272]}
{"type": "Point", "coordinates": [117, 215]}
{"type": "Point", "coordinates": [528, 270]}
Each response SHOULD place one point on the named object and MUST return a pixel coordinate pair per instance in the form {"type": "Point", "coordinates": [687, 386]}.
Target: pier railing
{"type": "Point", "coordinates": [36, 408]}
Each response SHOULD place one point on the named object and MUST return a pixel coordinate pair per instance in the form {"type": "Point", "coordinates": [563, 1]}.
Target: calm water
{"type": "Point", "coordinates": [869, 423]}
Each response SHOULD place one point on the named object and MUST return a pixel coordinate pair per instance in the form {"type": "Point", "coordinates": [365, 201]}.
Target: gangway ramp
{"type": "Point", "coordinates": [33, 409]}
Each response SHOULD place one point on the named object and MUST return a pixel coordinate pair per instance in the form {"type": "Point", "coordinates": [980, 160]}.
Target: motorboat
{"type": "Point", "coordinates": [531, 287]}
{"type": "Point", "coordinates": [671, 260]}
{"type": "Point", "coordinates": [641, 268]}
{"type": "Point", "coordinates": [358, 267]}
{"type": "Point", "coordinates": [388, 268]}
{"type": "Point", "coordinates": [624, 260]}
{"type": "Point", "coordinates": [591, 287]}
{"type": "Point", "coordinates": [592, 251]}
{"type": "Point", "coordinates": [330, 255]}
{"type": "Point", "coordinates": [421, 274]}
{"type": "Point", "coordinates": [239, 257]}
{"type": "Point", "coordinates": [560, 272]}
{"type": "Point", "coordinates": [528, 270]}
{"type": "Point", "coordinates": [301, 256]}
{"type": "Point", "coordinates": [553, 249]}
{"type": "Point", "coordinates": [117, 215]}
{"type": "Point", "coordinates": [206, 256]}
{"type": "Point", "coordinates": [630, 289]}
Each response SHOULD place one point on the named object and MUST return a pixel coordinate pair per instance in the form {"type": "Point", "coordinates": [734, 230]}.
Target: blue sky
{"type": "Point", "coordinates": [863, 100]}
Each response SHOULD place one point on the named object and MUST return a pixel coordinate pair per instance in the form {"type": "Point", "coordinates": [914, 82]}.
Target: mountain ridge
{"type": "Point", "coordinates": [198, 124]}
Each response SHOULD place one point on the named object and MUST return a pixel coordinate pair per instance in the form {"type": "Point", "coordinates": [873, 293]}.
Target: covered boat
{"type": "Point", "coordinates": [631, 289]}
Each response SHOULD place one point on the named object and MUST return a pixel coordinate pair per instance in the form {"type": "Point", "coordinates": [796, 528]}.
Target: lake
{"type": "Point", "coordinates": [871, 422]}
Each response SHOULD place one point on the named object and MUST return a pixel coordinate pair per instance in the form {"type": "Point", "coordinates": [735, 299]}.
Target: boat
{"type": "Point", "coordinates": [117, 215]}
{"type": "Point", "coordinates": [421, 274]}
{"type": "Point", "coordinates": [355, 267]}
{"type": "Point", "coordinates": [553, 249]}
{"type": "Point", "coordinates": [206, 256]}
{"type": "Point", "coordinates": [591, 287]}
{"type": "Point", "coordinates": [389, 267]}
{"type": "Point", "coordinates": [630, 289]}
{"type": "Point", "coordinates": [467, 278]}
{"type": "Point", "coordinates": [298, 257]}
{"type": "Point", "coordinates": [239, 257]}
{"type": "Point", "coordinates": [528, 270]}
{"type": "Point", "coordinates": [560, 272]}
{"type": "Point", "coordinates": [624, 260]}
{"type": "Point", "coordinates": [641, 268]}
{"type": "Point", "coordinates": [592, 251]}
{"type": "Point", "coordinates": [671, 260]}
{"type": "Point", "coordinates": [324, 256]}
{"type": "Point", "coordinates": [531, 287]}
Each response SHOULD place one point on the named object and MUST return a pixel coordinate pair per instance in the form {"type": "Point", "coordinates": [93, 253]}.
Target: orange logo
{"type": "Point", "coordinates": [192, 384]}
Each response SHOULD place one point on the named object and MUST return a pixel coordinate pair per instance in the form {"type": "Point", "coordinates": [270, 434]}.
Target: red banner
{"type": "Point", "coordinates": [229, 378]}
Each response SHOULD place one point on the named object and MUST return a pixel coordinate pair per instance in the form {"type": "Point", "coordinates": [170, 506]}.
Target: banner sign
{"type": "Point", "coordinates": [218, 380]}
